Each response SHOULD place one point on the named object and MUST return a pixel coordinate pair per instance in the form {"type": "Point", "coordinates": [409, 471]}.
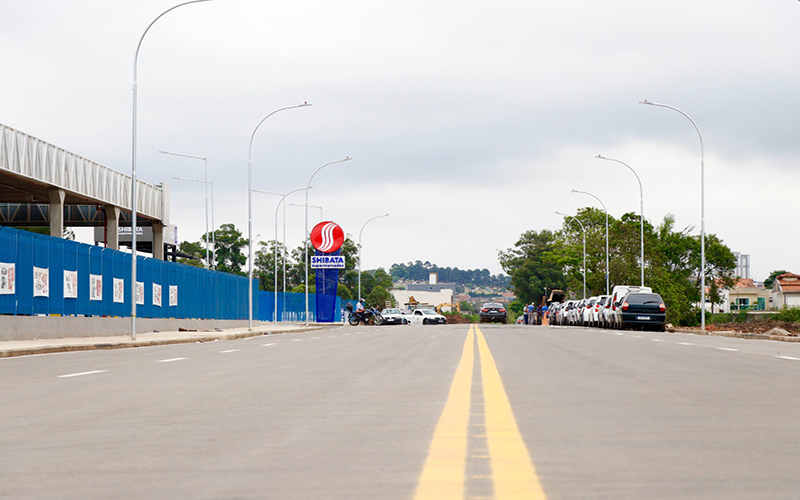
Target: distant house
{"type": "Point", "coordinates": [786, 291]}
{"type": "Point", "coordinates": [745, 295]}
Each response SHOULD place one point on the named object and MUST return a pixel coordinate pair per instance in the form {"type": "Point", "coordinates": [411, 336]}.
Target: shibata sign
{"type": "Point", "coordinates": [327, 237]}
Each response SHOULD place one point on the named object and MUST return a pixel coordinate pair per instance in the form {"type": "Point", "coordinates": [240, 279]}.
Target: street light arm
{"type": "Point", "coordinates": [681, 112]}
{"type": "Point", "coordinates": [308, 186]}
{"type": "Point", "coordinates": [136, 57]}
{"type": "Point", "coordinates": [181, 154]}
{"type": "Point", "coordinates": [365, 225]}
{"type": "Point", "coordinates": [252, 136]}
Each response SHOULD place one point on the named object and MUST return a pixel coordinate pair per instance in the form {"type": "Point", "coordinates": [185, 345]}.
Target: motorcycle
{"type": "Point", "coordinates": [369, 316]}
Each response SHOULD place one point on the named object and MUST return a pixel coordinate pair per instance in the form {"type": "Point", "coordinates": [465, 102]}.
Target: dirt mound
{"type": "Point", "coordinates": [761, 327]}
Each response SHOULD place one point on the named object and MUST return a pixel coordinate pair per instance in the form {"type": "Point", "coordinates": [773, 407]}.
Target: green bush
{"type": "Point", "coordinates": [789, 314]}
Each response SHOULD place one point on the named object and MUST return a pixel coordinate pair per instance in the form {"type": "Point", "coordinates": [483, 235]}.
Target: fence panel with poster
{"type": "Point", "coordinates": [40, 275]}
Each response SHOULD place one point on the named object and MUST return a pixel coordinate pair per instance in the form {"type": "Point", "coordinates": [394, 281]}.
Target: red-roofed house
{"type": "Point", "coordinates": [786, 290]}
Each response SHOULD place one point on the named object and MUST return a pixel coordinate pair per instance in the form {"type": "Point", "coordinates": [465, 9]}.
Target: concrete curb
{"type": "Point", "coordinates": [71, 345]}
{"type": "Point", "coordinates": [741, 335]}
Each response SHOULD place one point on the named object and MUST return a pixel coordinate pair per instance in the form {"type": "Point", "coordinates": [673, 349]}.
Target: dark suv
{"type": "Point", "coordinates": [645, 310]}
{"type": "Point", "coordinates": [493, 312]}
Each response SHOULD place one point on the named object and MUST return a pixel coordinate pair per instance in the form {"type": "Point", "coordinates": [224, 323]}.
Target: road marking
{"type": "Point", "coordinates": [81, 373]}
{"type": "Point", "coordinates": [788, 357]}
{"type": "Point", "coordinates": [685, 343]}
{"type": "Point", "coordinates": [297, 340]}
{"type": "Point", "coordinates": [443, 474]}
{"type": "Point", "coordinates": [170, 360]}
{"type": "Point", "coordinates": [658, 340]}
{"type": "Point", "coordinates": [332, 336]}
{"type": "Point", "coordinates": [314, 338]}
{"type": "Point", "coordinates": [617, 333]}
{"type": "Point", "coordinates": [229, 350]}
{"type": "Point", "coordinates": [267, 345]}
{"type": "Point", "coordinates": [637, 336]}
{"type": "Point", "coordinates": [512, 468]}
{"type": "Point", "coordinates": [727, 349]}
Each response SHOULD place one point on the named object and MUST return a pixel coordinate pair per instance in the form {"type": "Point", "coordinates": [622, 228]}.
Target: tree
{"type": "Point", "coordinates": [264, 266]}
{"type": "Point", "coordinates": [770, 281]}
{"type": "Point", "coordinates": [533, 265]}
{"type": "Point", "coordinates": [229, 245]}
{"type": "Point", "coordinates": [195, 250]}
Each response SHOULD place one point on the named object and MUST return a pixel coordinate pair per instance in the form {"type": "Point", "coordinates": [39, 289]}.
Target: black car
{"type": "Point", "coordinates": [643, 310]}
{"type": "Point", "coordinates": [493, 312]}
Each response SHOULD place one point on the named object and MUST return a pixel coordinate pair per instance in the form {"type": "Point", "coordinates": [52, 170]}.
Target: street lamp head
{"type": "Point", "coordinates": [601, 157]}
{"type": "Point", "coordinates": [646, 102]}
{"type": "Point", "coordinates": [306, 103]}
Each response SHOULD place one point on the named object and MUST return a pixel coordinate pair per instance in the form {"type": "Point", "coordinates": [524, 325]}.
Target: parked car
{"type": "Point", "coordinates": [617, 294]}
{"type": "Point", "coordinates": [642, 310]}
{"type": "Point", "coordinates": [552, 313]}
{"type": "Point", "coordinates": [586, 312]}
{"type": "Point", "coordinates": [427, 317]}
{"type": "Point", "coordinates": [393, 316]}
{"type": "Point", "coordinates": [492, 311]}
{"type": "Point", "coordinates": [575, 315]}
{"type": "Point", "coordinates": [597, 311]}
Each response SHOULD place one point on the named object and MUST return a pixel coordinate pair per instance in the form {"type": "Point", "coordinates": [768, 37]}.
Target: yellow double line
{"type": "Point", "coordinates": [513, 474]}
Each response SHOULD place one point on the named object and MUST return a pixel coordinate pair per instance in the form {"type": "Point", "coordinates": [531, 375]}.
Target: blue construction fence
{"type": "Point", "coordinates": [42, 275]}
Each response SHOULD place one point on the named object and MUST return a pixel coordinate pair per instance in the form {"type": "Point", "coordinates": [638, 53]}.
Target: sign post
{"type": "Point", "coordinates": [327, 238]}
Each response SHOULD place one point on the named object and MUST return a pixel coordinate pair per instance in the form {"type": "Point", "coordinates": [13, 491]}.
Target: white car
{"type": "Point", "coordinates": [393, 316]}
{"type": "Point", "coordinates": [427, 317]}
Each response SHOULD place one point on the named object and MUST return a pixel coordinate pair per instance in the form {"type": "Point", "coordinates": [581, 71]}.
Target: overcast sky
{"type": "Point", "coordinates": [469, 122]}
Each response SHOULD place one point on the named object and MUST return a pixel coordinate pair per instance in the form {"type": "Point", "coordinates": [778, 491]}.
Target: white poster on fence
{"type": "Point", "coordinates": [173, 295]}
{"type": "Point", "coordinates": [41, 282]}
{"type": "Point", "coordinates": [70, 284]}
{"type": "Point", "coordinates": [140, 293]}
{"type": "Point", "coordinates": [95, 287]}
{"type": "Point", "coordinates": [156, 295]}
{"type": "Point", "coordinates": [8, 281]}
{"type": "Point", "coordinates": [119, 290]}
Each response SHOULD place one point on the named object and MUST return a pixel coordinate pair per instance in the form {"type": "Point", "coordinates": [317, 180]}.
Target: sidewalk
{"type": "Point", "coordinates": [10, 348]}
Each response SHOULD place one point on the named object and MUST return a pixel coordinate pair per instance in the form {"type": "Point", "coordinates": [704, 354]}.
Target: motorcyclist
{"type": "Point", "coordinates": [360, 308]}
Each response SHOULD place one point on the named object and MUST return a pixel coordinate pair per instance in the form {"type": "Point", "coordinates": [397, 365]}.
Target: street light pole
{"type": "Point", "coordinates": [641, 209]}
{"type": "Point", "coordinates": [606, 211]}
{"type": "Point", "coordinates": [134, 190]}
{"type": "Point", "coordinates": [213, 239]}
{"type": "Point", "coordinates": [205, 162]}
{"type": "Point", "coordinates": [584, 250]}
{"type": "Point", "coordinates": [305, 232]}
{"type": "Point", "coordinates": [250, 214]}
{"type": "Point", "coordinates": [277, 207]}
{"type": "Point", "coordinates": [702, 213]}
{"type": "Point", "coordinates": [359, 250]}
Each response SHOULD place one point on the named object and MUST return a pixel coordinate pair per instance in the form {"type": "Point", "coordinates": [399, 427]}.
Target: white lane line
{"type": "Point", "coordinates": [658, 340]}
{"type": "Point", "coordinates": [314, 338]}
{"type": "Point", "coordinates": [170, 360]}
{"type": "Point", "coordinates": [637, 336]}
{"type": "Point", "coordinates": [346, 334]}
{"type": "Point", "coordinates": [332, 336]}
{"type": "Point", "coordinates": [790, 358]}
{"type": "Point", "coordinates": [297, 340]}
{"type": "Point", "coordinates": [617, 333]}
{"type": "Point", "coordinates": [81, 373]}
{"type": "Point", "coordinates": [267, 345]}
{"type": "Point", "coordinates": [684, 343]}
{"type": "Point", "coordinates": [727, 349]}
{"type": "Point", "coordinates": [229, 350]}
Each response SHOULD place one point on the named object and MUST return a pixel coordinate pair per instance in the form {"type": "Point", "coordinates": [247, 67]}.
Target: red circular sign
{"type": "Point", "coordinates": [327, 237]}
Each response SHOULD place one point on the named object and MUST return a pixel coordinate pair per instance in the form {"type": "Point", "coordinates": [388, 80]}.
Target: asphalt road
{"type": "Point", "coordinates": [371, 412]}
